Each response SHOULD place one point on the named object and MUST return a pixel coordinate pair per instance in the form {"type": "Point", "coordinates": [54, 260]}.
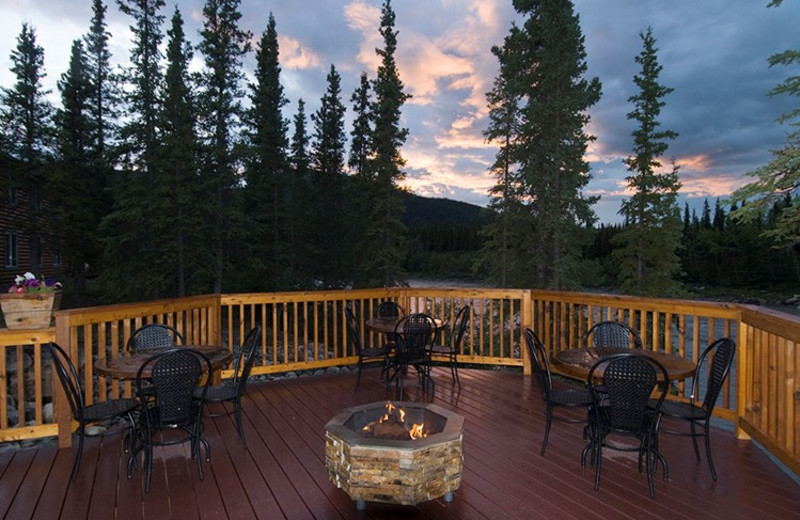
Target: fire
{"type": "Point", "coordinates": [392, 425]}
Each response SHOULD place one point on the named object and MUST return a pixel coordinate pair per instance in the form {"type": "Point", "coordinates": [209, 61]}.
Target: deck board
{"type": "Point", "coordinates": [283, 475]}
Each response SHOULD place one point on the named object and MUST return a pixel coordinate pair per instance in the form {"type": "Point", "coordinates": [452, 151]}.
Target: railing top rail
{"type": "Point", "coordinates": [121, 311]}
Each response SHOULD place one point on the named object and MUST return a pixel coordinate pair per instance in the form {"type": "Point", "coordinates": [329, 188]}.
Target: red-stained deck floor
{"type": "Point", "coordinates": [283, 474]}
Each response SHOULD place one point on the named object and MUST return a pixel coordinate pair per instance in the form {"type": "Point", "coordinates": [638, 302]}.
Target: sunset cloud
{"type": "Point", "coordinates": [293, 55]}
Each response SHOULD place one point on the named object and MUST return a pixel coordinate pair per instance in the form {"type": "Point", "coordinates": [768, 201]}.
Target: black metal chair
{"type": "Point", "coordinates": [87, 414]}
{"type": "Point", "coordinates": [574, 397]}
{"type": "Point", "coordinates": [698, 413]}
{"type": "Point", "coordinates": [621, 409]}
{"type": "Point", "coordinates": [390, 309]}
{"type": "Point", "coordinates": [233, 389]}
{"type": "Point", "coordinates": [612, 337]}
{"type": "Point", "coordinates": [414, 339]}
{"type": "Point", "coordinates": [450, 352]}
{"type": "Point", "coordinates": [155, 336]}
{"type": "Point", "coordinates": [170, 404]}
{"type": "Point", "coordinates": [366, 355]}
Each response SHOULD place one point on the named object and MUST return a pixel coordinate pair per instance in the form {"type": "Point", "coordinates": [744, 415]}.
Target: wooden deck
{"type": "Point", "coordinates": [283, 474]}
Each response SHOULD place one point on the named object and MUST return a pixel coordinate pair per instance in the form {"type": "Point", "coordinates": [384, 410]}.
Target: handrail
{"type": "Point", "coordinates": [306, 331]}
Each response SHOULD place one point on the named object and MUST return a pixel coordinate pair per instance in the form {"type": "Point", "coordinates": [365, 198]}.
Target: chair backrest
{"type": "Point", "coordinates": [628, 381]}
{"type": "Point", "coordinates": [68, 376]}
{"type": "Point", "coordinates": [459, 327]}
{"type": "Point", "coordinates": [174, 376]}
{"type": "Point", "coordinates": [541, 366]}
{"type": "Point", "coordinates": [244, 361]}
{"type": "Point", "coordinates": [721, 354]}
{"type": "Point", "coordinates": [415, 334]}
{"type": "Point", "coordinates": [610, 337]}
{"type": "Point", "coordinates": [155, 336]}
{"type": "Point", "coordinates": [352, 330]}
{"type": "Point", "coordinates": [389, 309]}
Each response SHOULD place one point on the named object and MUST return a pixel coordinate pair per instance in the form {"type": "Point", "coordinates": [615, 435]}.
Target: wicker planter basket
{"type": "Point", "coordinates": [29, 311]}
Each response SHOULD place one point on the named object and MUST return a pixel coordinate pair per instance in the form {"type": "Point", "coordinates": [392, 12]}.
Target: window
{"type": "Point", "coordinates": [11, 251]}
{"type": "Point", "coordinates": [11, 196]}
{"type": "Point", "coordinates": [57, 253]}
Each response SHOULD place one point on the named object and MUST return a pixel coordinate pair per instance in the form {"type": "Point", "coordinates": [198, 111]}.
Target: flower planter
{"type": "Point", "coordinates": [29, 311]}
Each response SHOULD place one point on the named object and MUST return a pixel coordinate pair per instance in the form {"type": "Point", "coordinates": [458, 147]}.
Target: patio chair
{"type": "Point", "coordinates": [155, 336]}
{"type": "Point", "coordinates": [612, 337]}
{"type": "Point", "coordinates": [366, 355]}
{"type": "Point", "coordinates": [233, 389]}
{"type": "Point", "coordinates": [87, 414]}
{"type": "Point", "coordinates": [390, 309]}
{"type": "Point", "coordinates": [568, 397]}
{"type": "Point", "coordinates": [170, 405]}
{"type": "Point", "coordinates": [456, 337]}
{"type": "Point", "coordinates": [716, 360]}
{"type": "Point", "coordinates": [414, 339]}
{"type": "Point", "coordinates": [621, 409]}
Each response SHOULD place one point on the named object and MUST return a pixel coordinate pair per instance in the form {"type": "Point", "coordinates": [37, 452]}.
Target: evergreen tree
{"type": "Point", "coordinates": [359, 135]}
{"type": "Point", "coordinates": [267, 172]}
{"type": "Point", "coordinates": [782, 175]}
{"type": "Point", "coordinates": [133, 225]}
{"type": "Point", "coordinates": [179, 191]}
{"type": "Point", "coordinates": [300, 239]}
{"type": "Point", "coordinates": [223, 46]}
{"type": "Point", "coordinates": [103, 93]}
{"type": "Point", "coordinates": [77, 200]}
{"type": "Point", "coordinates": [647, 246]}
{"type": "Point", "coordinates": [384, 242]}
{"type": "Point", "coordinates": [546, 63]}
{"type": "Point", "coordinates": [328, 151]}
{"type": "Point", "coordinates": [27, 128]}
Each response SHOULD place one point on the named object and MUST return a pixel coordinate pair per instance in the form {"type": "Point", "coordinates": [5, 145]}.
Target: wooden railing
{"type": "Point", "coordinates": [306, 331]}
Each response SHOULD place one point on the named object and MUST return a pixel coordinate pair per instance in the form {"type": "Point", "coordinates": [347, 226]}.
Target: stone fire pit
{"type": "Point", "coordinates": [407, 471]}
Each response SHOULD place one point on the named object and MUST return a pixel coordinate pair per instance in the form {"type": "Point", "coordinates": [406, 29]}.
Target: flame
{"type": "Point", "coordinates": [416, 431]}
{"type": "Point", "coordinates": [398, 416]}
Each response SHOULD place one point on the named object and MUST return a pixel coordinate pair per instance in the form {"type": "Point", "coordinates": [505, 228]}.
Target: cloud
{"type": "Point", "coordinates": [293, 55]}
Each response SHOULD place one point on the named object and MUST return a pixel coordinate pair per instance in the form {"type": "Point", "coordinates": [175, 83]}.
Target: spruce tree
{"type": "Point", "coordinates": [781, 176]}
{"type": "Point", "coordinates": [361, 131]}
{"type": "Point", "coordinates": [267, 172]}
{"type": "Point", "coordinates": [103, 92]}
{"type": "Point", "coordinates": [300, 239]}
{"type": "Point", "coordinates": [27, 129]}
{"type": "Point", "coordinates": [546, 64]}
{"type": "Point", "coordinates": [646, 249]}
{"type": "Point", "coordinates": [77, 200]}
{"type": "Point", "coordinates": [180, 188]}
{"type": "Point", "coordinates": [134, 223]}
{"type": "Point", "coordinates": [502, 255]}
{"type": "Point", "coordinates": [385, 241]}
{"type": "Point", "coordinates": [328, 152]}
{"type": "Point", "coordinates": [223, 46]}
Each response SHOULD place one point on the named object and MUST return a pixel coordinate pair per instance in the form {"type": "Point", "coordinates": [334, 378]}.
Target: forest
{"type": "Point", "coordinates": [160, 181]}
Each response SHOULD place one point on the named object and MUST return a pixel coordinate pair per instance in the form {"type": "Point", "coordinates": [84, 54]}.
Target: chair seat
{"type": "Point", "coordinates": [108, 409]}
{"type": "Point", "coordinates": [223, 392]}
{"type": "Point", "coordinates": [679, 409]}
{"type": "Point", "coordinates": [571, 397]}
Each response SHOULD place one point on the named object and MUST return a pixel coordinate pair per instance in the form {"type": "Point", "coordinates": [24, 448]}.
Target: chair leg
{"type": "Point", "coordinates": [708, 452]}
{"type": "Point", "coordinates": [238, 418]}
{"type": "Point", "coordinates": [358, 376]}
{"type": "Point", "coordinates": [694, 441]}
{"type": "Point", "coordinates": [77, 462]}
{"type": "Point", "coordinates": [547, 429]}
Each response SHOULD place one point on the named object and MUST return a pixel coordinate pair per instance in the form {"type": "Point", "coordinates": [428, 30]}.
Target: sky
{"type": "Point", "coordinates": [713, 52]}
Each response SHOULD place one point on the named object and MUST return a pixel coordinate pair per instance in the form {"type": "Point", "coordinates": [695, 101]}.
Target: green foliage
{"type": "Point", "coordinates": [646, 247]}
{"type": "Point", "coordinates": [539, 111]}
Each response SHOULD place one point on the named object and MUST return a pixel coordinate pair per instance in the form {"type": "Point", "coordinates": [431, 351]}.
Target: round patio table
{"type": "Point", "coordinates": [576, 363]}
{"type": "Point", "coordinates": [126, 365]}
{"type": "Point", "coordinates": [387, 324]}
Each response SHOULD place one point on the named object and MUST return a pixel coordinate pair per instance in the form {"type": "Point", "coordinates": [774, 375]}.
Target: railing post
{"type": "Point", "coordinates": [526, 321]}
{"type": "Point", "coordinates": [61, 408]}
{"type": "Point", "coordinates": [742, 376]}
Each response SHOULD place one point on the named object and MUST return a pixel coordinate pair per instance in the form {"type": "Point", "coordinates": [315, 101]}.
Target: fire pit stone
{"type": "Point", "coordinates": [395, 471]}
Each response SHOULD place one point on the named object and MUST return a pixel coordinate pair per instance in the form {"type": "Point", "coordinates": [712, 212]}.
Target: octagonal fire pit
{"type": "Point", "coordinates": [400, 453]}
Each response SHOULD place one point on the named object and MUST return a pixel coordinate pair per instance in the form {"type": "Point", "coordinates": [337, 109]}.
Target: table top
{"type": "Point", "coordinates": [388, 323]}
{"type": "Point", "coordinates": [126, 366]}
{"type": "Point", "coordinates": [576, 362]}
